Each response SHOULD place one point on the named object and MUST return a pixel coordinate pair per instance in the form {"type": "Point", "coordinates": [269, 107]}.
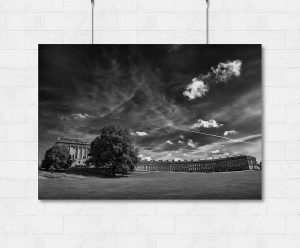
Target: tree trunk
{"type": "Point", "coordinates": [113, 171]}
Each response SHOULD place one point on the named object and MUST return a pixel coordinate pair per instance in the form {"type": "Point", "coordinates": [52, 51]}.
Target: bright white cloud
{"type": "Point", "coordinates": [191, 143]}
{"type": "Point", "coordinates": [142, 157]}
{"type": "Point", "coordinates": [226, 70]}
{"type": "Point", "coordinates": [181, 136]}
{"type": "Point", "coordinates": [169, 142]}
{"type": "Point", "coordinates": [141, 133]}
{"type": "Point", "coordinates": [196, 89]}
{"type": "Point", "coordinates": [215, 151]}
{"type": "Point", "coordinates": [231, 132]}
{"type": "Point", "coordinates": [207, 124]}
{"type": "Point", "coordinates": [180, 141]}
{"type": "Point", "coordinates": [223, 72]}
{"type": "Point", "coordinates": [80, 116]}
{"type": "Point", "coordinates": [178, 159]}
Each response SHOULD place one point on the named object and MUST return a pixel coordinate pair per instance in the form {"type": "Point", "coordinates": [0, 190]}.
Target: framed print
{"type": "Point", "coordinates": [150, 122]}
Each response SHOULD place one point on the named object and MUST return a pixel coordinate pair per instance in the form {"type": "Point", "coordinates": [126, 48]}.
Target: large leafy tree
{"type": "Point", "coordinates": [57, 158]}
{"type": "Point", "coordinates": [114, 149]}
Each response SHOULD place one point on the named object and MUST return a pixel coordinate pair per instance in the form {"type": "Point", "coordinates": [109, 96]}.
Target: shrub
{"type": "Point", "coordinates": [57, 158]}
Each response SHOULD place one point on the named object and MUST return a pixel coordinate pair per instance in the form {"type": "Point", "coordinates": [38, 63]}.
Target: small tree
{"type": "Point", "coordinates": [114, 149]}
{"type": "Point", "coordinates": [57, 158]}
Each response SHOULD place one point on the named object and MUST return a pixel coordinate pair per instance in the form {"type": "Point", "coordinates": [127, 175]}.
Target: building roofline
{"type": "Point", "coordinates": [71, 141]}
{"type": "Point", "coordinates": [200, 160]}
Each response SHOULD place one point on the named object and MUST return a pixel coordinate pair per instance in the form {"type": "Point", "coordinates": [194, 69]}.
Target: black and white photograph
{"type": "Point", "coordinates": [150, 122]}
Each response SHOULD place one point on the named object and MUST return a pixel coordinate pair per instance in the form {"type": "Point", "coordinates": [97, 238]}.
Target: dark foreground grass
{"type": "Point", "coordinates": [156, 185]}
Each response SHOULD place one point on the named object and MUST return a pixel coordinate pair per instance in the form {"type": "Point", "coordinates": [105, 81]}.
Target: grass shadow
{"type": "Point", "coordinates": [93, 172]}
{"type": "Point", "coordinates": [90, 172]}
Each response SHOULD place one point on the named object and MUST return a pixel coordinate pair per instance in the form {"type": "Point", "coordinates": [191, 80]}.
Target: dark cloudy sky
{"type": "Point", "coordinates": [180, 101]}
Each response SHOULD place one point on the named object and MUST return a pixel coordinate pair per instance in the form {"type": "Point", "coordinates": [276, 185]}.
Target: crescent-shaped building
{"type": "Point", "coordinates": [235, 163]}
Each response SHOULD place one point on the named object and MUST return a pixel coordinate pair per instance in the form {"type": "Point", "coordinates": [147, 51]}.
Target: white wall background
{"type": "Point", "coordinates": [26, 222]}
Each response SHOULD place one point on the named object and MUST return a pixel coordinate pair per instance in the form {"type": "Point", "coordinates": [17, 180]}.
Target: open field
{"type": "Point", "coordinates": [151, 185]}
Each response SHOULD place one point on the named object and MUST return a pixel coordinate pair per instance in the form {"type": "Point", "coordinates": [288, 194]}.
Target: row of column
{"type": "Point", "coordinates": [80, 152]}
{"type": "Point", "coordinates": [227, 166]}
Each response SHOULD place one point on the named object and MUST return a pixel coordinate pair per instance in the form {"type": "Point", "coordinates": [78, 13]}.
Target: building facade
{"type": "Point", "coordinates": [78, 150]}
{"type": "Point", "coordinates": [236, 163]}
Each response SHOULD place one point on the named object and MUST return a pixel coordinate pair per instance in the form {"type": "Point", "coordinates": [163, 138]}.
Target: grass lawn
{"type": "Point", "coordinates": [152, 185]}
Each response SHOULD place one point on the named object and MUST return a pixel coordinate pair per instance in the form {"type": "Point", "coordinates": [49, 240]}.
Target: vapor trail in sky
{"type": "Point", "coordinates": [186, 130]}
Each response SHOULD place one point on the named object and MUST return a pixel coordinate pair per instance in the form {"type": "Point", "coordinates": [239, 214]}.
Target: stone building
{"type": "Point", "coordinates": [78, 149]}
{"type": "Point", "coordinates": [236, 163]}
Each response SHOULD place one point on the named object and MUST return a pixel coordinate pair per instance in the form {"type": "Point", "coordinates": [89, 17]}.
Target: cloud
{"type": "Point", "coordinates": [215, 152]}
{"type": "Point", "coordinates": [191, 143]}
{"type": "Point", "coordinates": [63, 117]}
{"type": "Point", "coordinates": [250, 137]}
{"type": "Point", "coordinates": [231, 147]}
{"type": "Point", "coordinates": [180, 142]}
{"type": "Point", "coordinates": [142, 157]}
{"type": "Point", "coordinates": [80, 116]}
{"type": "Point", "coordinates": [141, 133]}
{"type": "Point", "coordinates": [233, 132]}
{"type": "Point", "coordinates": [207, 124]}
{"type": "Point", "coordinates": [223, 72]}
{"type": "Point", "coordinates": [196, 89]}
{"type": "Point", "coordinates": [178, 159]}
{"type": "Point", "coordinates": [169, 142]}
{"type": "Point", "coordinates": [181, 136]}
{"type": "Point", "coordinates": [226, 70]}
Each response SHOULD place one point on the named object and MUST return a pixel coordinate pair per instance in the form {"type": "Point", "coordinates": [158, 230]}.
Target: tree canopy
{"type": "Point", "coordinates": [57, 158]}
{"type": "Point", "coordinates": [114, 149]}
